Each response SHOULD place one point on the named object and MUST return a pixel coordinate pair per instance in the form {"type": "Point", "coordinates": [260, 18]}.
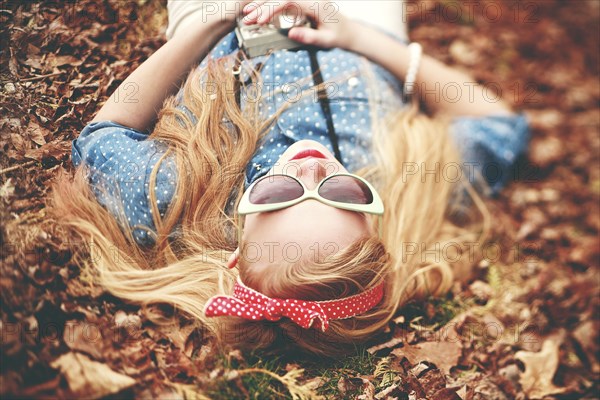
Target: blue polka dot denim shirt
{"type": "Point", "coordinates": [122, 158]}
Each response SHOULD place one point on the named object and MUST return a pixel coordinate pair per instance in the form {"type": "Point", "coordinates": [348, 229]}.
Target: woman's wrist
{"type": "Point", "coordinates": [376, 46]}
{"type": "Point", "coordinates": [350, 32]}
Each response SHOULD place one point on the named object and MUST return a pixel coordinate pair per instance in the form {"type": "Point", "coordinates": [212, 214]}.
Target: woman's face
{"type": "Point", "coordinates": [309, 230]}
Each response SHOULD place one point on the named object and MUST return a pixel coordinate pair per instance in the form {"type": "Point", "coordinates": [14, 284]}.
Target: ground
{"type": "Point", "coordinates": [526, 327]}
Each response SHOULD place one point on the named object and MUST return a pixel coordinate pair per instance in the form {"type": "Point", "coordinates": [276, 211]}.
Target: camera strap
{"type": "Point", "coordinates": [324, 102]}
{"type": "Point", "coordinates": [321, 94]}
{"type": "Point", "coordinates": [237, 73]}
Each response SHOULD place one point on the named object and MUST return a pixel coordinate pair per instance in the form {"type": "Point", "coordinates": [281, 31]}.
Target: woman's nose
{"type": "Point", "coordinates": [312, 171]}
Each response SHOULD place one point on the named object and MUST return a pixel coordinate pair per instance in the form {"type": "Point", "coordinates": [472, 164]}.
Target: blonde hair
{"type": "Point", "coordinates": [187, 264]}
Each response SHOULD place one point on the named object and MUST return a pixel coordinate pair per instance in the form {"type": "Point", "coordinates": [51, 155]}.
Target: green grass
{"type": "Point", "coordinates": [434, 312]}
{"type": "Point", "coordinates": [258, 384]}
{"type": "Point", "coordinates": [361, 363]}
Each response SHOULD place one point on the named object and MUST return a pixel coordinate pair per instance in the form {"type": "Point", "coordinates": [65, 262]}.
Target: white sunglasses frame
{"type": "Point", "coordinates": [245, 207]}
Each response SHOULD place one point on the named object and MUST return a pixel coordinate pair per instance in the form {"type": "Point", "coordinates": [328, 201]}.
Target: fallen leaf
{"type": "Point", "coordinates": [387, 345]}
{"type": "Point", "coordinates": [540, 368]}
{"type": "Point", "coordinates": [349, 384]}
{"type": "Point", "coordinates": [544, 119]}
{"type": "Point", "coordinates": [57, 61]}
{"type": "Point", "coordinates": [84, 337]}
{"type": "Point", "coordinates": [547, 151]}
{"type": "Point", "coordinates": [178, 334]}
{"type": "Point", "coordinates": [587, 336]}
{"type": "Point", "coordinates": [18, 142]}
{"type": "Point", "coordinates": [462, 392]}
{"type": "Point", "coordinates": [486, 389]}
{"type": "Point", "coordinates": [35, 133]}
{"type": "Point", "coordinates": [180, 337]}
{"type": "Point", "coordinates": [433, 381]}
{"type": "Point", "coordinates": [463, 52]}
{"type": "Point", "coordinates": [124, 320]}
{"type": "Point", "coordinates": [77, 287]}
{"type": "Point", "coordinates": [533, 218]}
{"type": "Point", "coordinates": [446, 394]}
{"type": "Point", "coordinates": [481, 290]}
{"type": "Point", "coordinates": [387, 392]}
{"type": "Point", "coordinates": [56, 149]}
{"type": "Point", "coordinates": [90, 379]}
{"type": "Point", "coordinates": [315, 383]}
{"type": "Point", "coordinates": [137, 357]}
{"type": "Point", "coordinates": [368, 392]}
{"type": "Point", "coordinates": [185, 392]}
{"type": "Point", "coordinates": [34, 62]}
{"type": "Point", "coordinates": [7, 189]}
{"type": "Point", "coordinates": [443, 354]}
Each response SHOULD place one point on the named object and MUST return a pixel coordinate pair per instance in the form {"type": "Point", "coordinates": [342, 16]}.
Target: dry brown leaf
{"type": "Point", "coordinates": [315, 382]}
{"type": "Point", "coordinates": [185, 392]}
{"type": "Point", "coordinates": [124, 320]}
{"type": "Point", "coordinates": [544, 119]}
{"type": "Point", "coordinates": [443, 354]}
{"type": "Point", "coordinates": [540, 368]}
{"type": "Point", "coordinates": [180, 337]}
{"type": "Point", "coordinates": [393, 342]}
{"type": "Point", "coordinates": [56, 149]}
{"type": "Point", "coordinates": [462, 392]}
{"type": "Point", "coordinates": [78, 287]}
{"type": "Point", "coordinates": [178, 334]}
{"type": "Point", "coordinates": [587, 336]}
{"type": "Point", "coordinates": [7, 189]}
{"type": "Point", "coordinates": [446, 394]}
{"type": "Point", "coordinates": [387, 392]}
{"type": "Point", "coordinates": [90, 379]}
{"type": "Point", "coordinates": [18, 142]}
{"type": "Point", "coordinates": [368, 392]}
{"type": "Point", "coordinates": [57, 61]}
{"type": "Point", "coordinates": [34, 62]}
{"type": "Point", "coordinates": [36, 133]}
{"type": "Point", "coordinates": [348, 384]}
{"type": "Point", "coordinates": [481, 290]}
{"type": "Point", "coordinates": [84, 337]}
{"type": "Point", "coordinates": [547, 151]}
{"type": "Point", "coordinates": [463, 52]}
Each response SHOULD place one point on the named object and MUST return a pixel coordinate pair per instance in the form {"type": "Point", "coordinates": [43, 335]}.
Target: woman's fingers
{"type": "Point", "coordinates": [252, 6]}
{"type": "Point", "coordinates": [325, 34]}
{"type": "Point", "coordinates": [262, 12]}
{"type": "Point", "coordinates": [312, 36]}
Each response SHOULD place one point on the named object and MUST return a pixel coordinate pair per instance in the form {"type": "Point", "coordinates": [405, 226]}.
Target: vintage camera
{"type": "Point", "coordinates": [258, 40]}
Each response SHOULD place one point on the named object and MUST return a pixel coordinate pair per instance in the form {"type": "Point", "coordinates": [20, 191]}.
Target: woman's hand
{"type": "Point", "coordinates": [331, 28]}
{"type": "Point", "coordinates": [162, 74]}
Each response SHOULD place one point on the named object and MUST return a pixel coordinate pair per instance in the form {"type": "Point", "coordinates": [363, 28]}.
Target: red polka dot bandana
{"type": "Point", "coordinates": [249, 304]}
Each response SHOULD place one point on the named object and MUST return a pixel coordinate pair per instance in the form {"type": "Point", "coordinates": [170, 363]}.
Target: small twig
{"type": "Point", "coordinates": [8, 169]}
{"type": "Point", "coordinates": [35, 78]}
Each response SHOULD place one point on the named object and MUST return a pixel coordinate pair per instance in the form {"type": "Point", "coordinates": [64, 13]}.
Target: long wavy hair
{"type": "Point", "coordinates": [426, 225]}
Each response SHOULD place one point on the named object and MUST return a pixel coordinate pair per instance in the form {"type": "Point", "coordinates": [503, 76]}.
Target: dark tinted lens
{"type": "Point", "coordinates": [346, 189]}
{"type": "Point", "coordinates": [275, 189]}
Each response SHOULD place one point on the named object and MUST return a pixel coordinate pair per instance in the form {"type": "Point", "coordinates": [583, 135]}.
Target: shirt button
{"type": "Point", "coordinates": [352, 82]}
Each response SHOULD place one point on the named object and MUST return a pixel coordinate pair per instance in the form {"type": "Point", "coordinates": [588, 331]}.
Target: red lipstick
{"type": "Point", "coordinates": [308, 153]}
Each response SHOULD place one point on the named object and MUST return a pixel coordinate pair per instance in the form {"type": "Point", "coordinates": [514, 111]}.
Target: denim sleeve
{"type": "Point", "coordinates": [120, 161]}
{"type": "Point", "coordinates": [490, 146]}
